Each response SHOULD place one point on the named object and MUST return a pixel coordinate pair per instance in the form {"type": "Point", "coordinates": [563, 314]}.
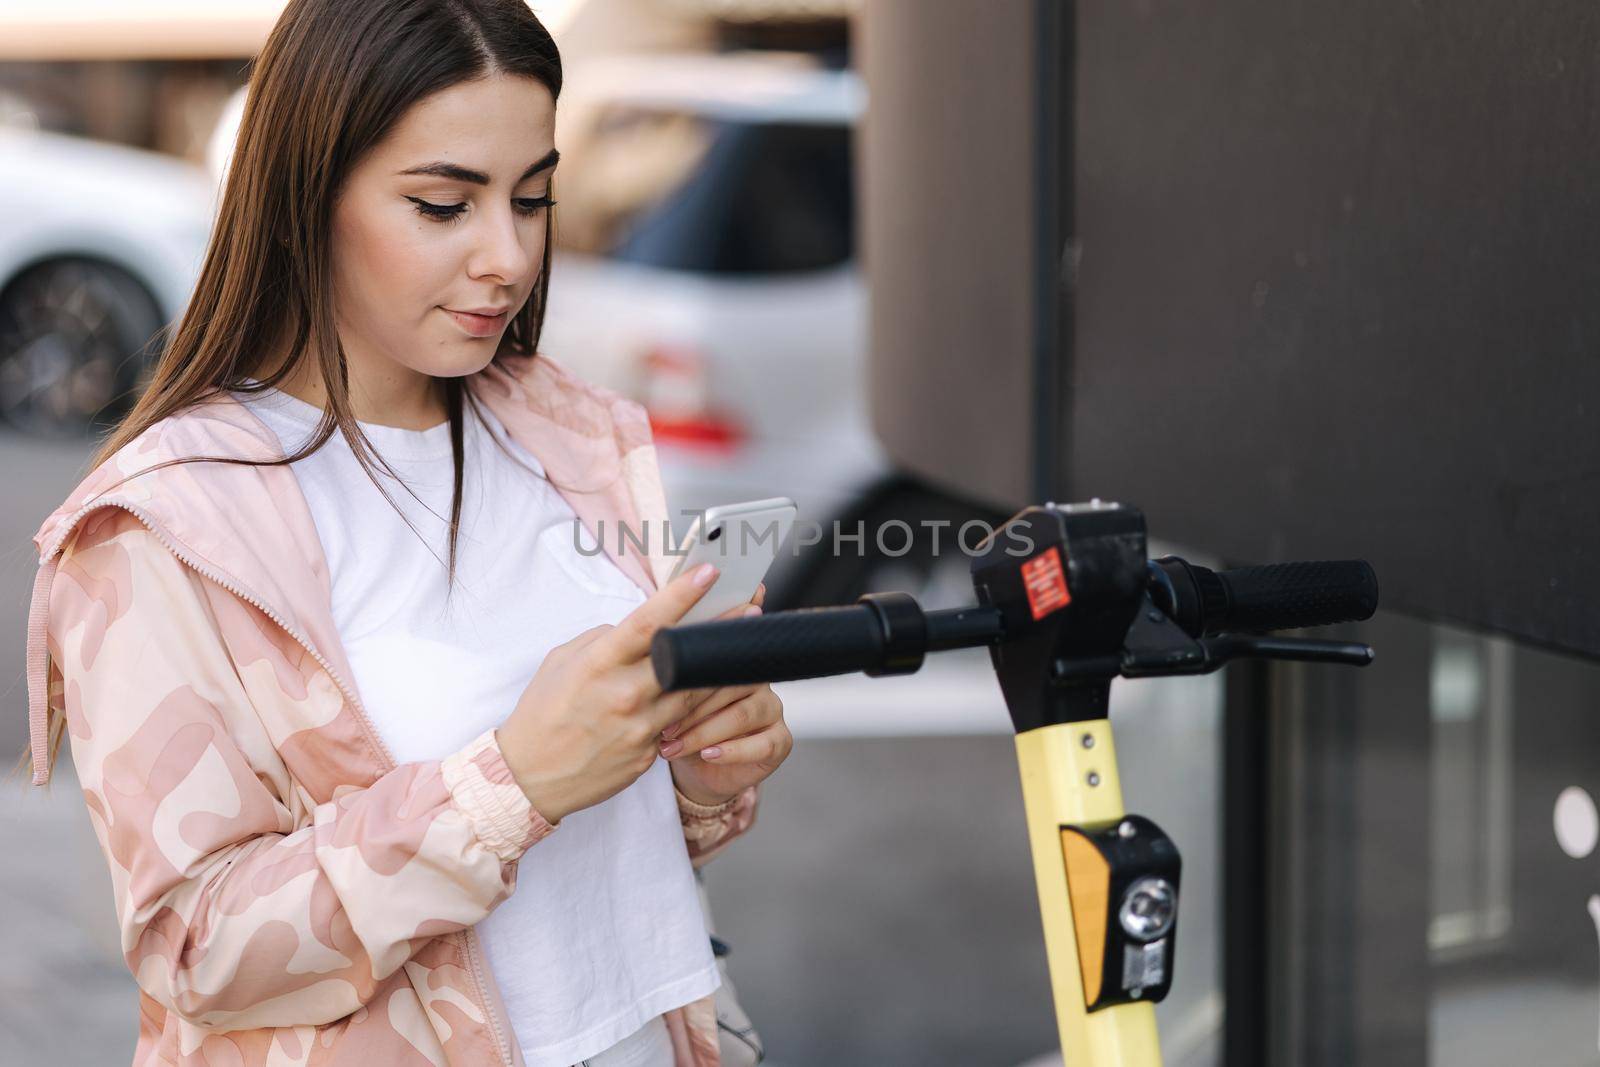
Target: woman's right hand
{"type": "Point", "coordinates": [589, 723]}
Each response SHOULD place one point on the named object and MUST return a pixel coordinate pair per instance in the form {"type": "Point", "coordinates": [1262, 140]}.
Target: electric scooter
{"type": "Point", "coordinates": [1067, 602]}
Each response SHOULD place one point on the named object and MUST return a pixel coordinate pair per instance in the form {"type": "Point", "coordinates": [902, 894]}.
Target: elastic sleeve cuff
{"type": "Point", "coordinates": [704, 825]}
{"type": "Point", "coordinates": [689, 809]}
{"type": "Point", "coordinates": [485, 791]}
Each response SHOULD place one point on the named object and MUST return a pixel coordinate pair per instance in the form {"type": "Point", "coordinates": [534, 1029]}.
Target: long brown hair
{"type": "Point", "coordinates": [332, 80]}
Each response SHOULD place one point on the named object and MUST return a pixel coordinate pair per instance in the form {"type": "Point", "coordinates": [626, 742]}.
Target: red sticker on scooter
{"type": "Point", "coordinates": [1046, 583]}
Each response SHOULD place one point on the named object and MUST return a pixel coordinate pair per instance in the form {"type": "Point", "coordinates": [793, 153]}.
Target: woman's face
{"type": "Point", "coordinates": [438, 233]}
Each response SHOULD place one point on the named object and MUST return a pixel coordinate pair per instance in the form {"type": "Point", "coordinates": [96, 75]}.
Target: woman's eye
{"type": "Point", "coordinates": [533, 205]}
{"type": "Point", "coordinates": [442, 212]}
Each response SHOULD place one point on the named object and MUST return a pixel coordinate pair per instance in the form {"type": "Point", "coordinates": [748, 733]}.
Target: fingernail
{"type": "Point", "coordinates": [752, 611]}
{"type": "Point", "coordinates": [672, 748]}
{"type": "Point", "coordinates": [672, 731]}
{"type": "Point", "coordinates": [710, 753]}
{"type": "Point", "coordinates": [704, 575]}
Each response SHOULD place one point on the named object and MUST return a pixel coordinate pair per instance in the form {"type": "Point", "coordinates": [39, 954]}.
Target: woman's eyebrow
{"type": "Point", "coordinates": [456, 172]}
{"type": "Point", "coordinates": [549, 160]}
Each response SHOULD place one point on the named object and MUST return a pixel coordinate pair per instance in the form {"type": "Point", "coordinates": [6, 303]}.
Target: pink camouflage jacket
{"type": "Point", "coordinates": [286, 893]}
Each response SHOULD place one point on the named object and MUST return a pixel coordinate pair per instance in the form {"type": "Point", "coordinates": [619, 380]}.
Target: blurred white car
{"type": "Point", "coordinates": [706, 266]}
{"type": "Point", "coordinates": [99, 248]}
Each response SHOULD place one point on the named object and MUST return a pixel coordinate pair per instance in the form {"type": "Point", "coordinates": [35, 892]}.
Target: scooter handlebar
{"type": "Point", "coordinates": [1280, 596]}
{"type": "Point", "coordinates": [806, 643]}
{"type": "Point", "coordinates": [888, 633]}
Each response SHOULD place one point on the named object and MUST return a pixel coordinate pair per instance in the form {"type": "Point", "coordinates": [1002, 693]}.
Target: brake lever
{"type": "Point", "coordinates": [1225, 647]}
{"type": "Point", "coordinates": [1156, 646]}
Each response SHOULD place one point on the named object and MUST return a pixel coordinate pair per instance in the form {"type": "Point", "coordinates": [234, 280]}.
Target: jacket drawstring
{"type": "Point", "coordinates": [38, 673]}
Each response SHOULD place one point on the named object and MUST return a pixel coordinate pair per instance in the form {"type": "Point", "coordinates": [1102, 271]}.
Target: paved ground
{"type": "Point", "coordinates": [34, 477]}
{"type": "Point", "coordinates": [65, 998]}
{"type": "Point", "coordinates": [883, 911]}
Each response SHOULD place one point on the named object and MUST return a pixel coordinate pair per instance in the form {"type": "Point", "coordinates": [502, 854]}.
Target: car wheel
{"type": "Point", "coordinates": [75, 343]}
{"type": "Point", "coordinates": [928, 562]}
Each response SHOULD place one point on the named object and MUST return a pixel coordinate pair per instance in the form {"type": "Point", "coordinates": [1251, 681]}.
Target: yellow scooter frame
{"type": "Point", "coordinates": [1069, 777]}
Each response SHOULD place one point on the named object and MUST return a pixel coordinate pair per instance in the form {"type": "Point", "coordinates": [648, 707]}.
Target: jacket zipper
{"type": "Point", "coordinates": [373, 737]}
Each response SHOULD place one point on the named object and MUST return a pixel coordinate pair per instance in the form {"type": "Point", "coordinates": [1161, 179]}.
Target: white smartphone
{"type": "Point", "coordinates": [742, 540]}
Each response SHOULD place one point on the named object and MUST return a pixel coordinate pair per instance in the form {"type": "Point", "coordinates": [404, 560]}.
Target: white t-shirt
{"type": "Point", "coordinates": [604, 931]}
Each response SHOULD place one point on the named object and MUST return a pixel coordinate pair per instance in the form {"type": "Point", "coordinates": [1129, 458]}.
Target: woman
{"type": "Point", "coordinates": [318, 756]}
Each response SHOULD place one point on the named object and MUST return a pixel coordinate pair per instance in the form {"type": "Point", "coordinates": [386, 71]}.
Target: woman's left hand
{"type": "Point", "coordinates": [734, 738]}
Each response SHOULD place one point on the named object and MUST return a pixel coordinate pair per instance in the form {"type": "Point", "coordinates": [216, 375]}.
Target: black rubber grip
{"type": "Point", "coordinates": [1288, 596]}
{"type": "Point", "coordinates": [806, 643]}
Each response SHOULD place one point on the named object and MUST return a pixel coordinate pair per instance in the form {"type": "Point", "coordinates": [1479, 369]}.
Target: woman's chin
{"type": "Point", "coordinates": [459, 358]}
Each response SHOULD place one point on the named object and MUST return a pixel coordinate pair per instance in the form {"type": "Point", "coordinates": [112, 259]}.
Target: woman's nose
{"type": "Point", "coordinates": [500, 252]}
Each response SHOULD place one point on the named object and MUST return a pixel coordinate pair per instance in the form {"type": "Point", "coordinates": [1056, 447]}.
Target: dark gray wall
{"type": "Point", "coordinates": [947, 184]}
{"type": "Point", "coordinates": [1337, 292]}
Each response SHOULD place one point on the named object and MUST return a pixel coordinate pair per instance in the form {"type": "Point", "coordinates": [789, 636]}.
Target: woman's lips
{"type": "Point", "coordinates": [478, 325]}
